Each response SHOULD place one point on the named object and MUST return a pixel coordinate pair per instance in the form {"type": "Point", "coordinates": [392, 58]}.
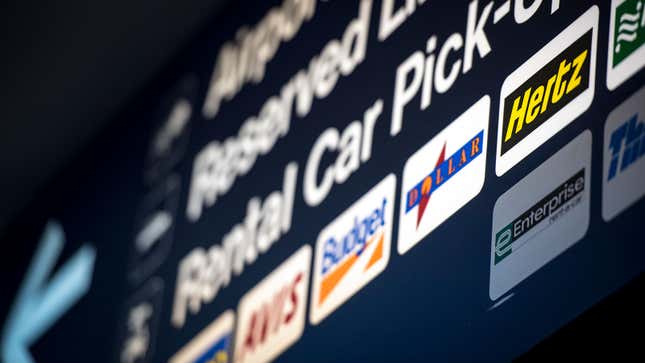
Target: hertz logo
{"type": "Point", "coordinates": [550, 89]}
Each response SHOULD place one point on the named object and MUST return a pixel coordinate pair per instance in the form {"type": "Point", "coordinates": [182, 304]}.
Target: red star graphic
{"type": "Point", "coordinates": [425, 196]}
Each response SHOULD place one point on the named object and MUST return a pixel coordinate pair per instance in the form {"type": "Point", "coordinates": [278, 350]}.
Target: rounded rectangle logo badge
{"type": "Point", "coordinates": [211, 345]}
{"type": "Point", "coordinates": [353, 249]}
{"type": "Point", "coordinates": [271, 316]}
{"type": "Point", "coordinates": [547, 92]}
{"type": "Point", "coordinates": [625, 52]}
{"type": "Point", "coordinates": [444, 175]}
{"type": "Point", "coordinates": [541, 216]}
{"type": "Point", "coordinates": [624, 156]}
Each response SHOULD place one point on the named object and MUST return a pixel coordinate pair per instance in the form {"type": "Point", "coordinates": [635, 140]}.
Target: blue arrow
{"type": "Point", "coordinates": [39, 304]}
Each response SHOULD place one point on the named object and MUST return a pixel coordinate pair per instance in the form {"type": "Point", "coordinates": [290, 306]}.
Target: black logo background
{"type": "Point", "coordinates": [540, 78]}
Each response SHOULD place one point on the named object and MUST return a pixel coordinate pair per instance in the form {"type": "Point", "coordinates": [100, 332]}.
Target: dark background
{"type": "Point", "coordinates": [68, 68]}
{"type": "Point", "coordinates": [79, 82]}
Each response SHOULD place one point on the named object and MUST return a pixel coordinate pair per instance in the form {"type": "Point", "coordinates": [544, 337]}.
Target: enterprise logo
{"type": "Point", "coordinates": [554, 205]}
{"type": "Point", "coordinates": [353, 249]}
{"type": "Point", "coordinates": [624, 156]}
{"type": "Point", "coordinates": [444, 175]}
{"type": "Point", "coordinates": [540, 217]}
{"type": "Point", "coordinates": [547, 92]}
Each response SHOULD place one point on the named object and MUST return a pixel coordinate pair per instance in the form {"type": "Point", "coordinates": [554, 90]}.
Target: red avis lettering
{"type": "Point", "coordinates": [271, 316]}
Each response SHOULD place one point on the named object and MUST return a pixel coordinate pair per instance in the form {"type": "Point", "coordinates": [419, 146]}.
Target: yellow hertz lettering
{"type": "Point", "coordinates": [536, 101]}
{"type": "Point", "coordinates": [546, 92]}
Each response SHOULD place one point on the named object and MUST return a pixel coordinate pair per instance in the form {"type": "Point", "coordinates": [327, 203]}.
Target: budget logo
{"type": "Point", "coordinates": [444, 175]}
{"type": "Point", "coordinates": [212, 345]}
{"type": "Point", "coordinates": [271, 317]}
{"type": "Point", "coordinates": [625, 54]}
{"type": "Point", "coordinates": [547, 92]}
{"type": "Point", "coordinates": [353, 249]}
{"type": "Point", "coordinates": [541, 216]}
{"type": "Point", "coordinates": [624, 156]}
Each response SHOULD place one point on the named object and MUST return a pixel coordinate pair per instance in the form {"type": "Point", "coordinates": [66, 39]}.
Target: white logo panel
{"type": "Point", "coordinates": [624, 156]}
{"type": "Point", "coordinates": [444, 175]}
{"type": "Point", "coordinates": [541, 216]}
{"type": "Point", "coordinates": [556, 86]}
{"type": "Point", "coordinates": [353, 249]}
{"type": "Point", "coordinates": [271, 316]}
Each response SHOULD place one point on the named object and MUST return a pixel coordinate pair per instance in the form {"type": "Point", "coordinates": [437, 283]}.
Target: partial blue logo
{"type": "Point", "coordinates": [627, 145]}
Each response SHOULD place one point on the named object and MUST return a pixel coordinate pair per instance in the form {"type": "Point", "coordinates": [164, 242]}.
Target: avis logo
{"type": "Point", "coordinates": [272, 314]}
{"type": "Point", "coordinates": [353, 249]}
{"type": "Point", "coordinates": [627, 145]}
{"type": "Point", "coordinates": [444, 175]}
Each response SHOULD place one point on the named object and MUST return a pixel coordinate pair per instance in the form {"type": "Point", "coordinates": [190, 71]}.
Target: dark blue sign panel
{"type": "Point", "coordinates": [368, 180]}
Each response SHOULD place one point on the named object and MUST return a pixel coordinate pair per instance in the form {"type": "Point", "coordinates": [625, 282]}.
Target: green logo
{"type": "Point", "coordinates": [629, 29]}
{"type": "Point", "coordinates": [503, 243]}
